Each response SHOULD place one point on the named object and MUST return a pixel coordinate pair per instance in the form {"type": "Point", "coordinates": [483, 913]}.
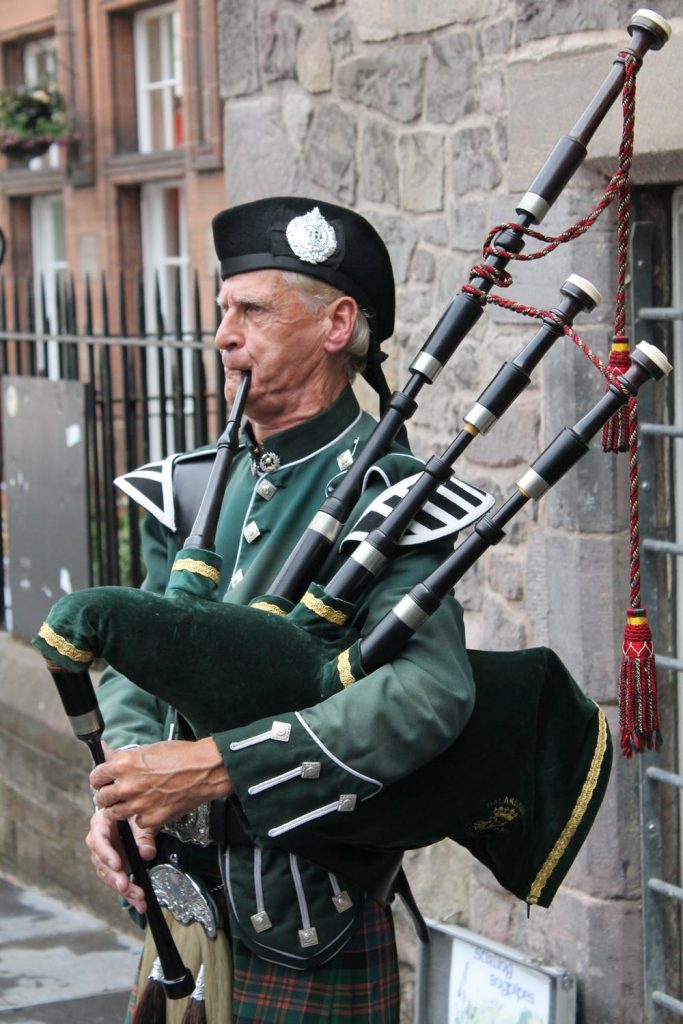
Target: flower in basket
{"type": "Point", "coordinates": [31, 119]}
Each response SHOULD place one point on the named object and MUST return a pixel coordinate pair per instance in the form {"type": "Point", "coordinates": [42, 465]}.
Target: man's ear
{"type": "Point", "coordinates": [342, 314]}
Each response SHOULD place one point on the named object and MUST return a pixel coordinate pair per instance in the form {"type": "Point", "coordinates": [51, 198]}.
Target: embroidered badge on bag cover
{"type": "Point", "coordinates": [311, 237]}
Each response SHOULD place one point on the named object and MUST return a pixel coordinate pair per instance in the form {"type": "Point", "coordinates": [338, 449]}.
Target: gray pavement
{"type": "Point", "coordinates": [59, 963]}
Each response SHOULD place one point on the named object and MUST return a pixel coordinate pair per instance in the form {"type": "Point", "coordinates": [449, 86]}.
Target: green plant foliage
{"type": "Point", "coordinates": [31, 119]}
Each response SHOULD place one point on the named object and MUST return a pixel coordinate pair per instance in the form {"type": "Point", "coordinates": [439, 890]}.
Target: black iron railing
{"type": "Point", "coordinates": [149, 392]}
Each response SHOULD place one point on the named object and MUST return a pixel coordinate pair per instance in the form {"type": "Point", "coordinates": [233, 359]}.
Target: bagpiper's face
{"type": "Point", "coordinates": [267, 329]}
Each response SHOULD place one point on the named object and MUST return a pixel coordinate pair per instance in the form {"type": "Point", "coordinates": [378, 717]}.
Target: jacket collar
{"type": "Point", "coordinates": [305, 439]}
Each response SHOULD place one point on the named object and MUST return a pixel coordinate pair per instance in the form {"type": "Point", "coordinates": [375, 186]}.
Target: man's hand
{"type": "Point", "coordinates": [160, 782]}
{"type": "Point", "coordinates": [106, 853]}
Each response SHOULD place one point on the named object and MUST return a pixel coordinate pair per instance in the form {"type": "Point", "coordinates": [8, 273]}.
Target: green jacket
{"type": "Point", "coordinates": [359, 741]}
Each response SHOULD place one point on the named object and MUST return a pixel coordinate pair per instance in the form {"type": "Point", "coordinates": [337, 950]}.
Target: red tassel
{"type": "Point", "coordinates": [638, 715]}
{"type": "Point", "coordinates": [615, 433]}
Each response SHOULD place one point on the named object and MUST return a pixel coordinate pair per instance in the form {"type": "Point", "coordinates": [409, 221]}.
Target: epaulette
{"type": "Point", "coordinates": [171, 490]}
{"type": "Point", "coordinates": [454, 506]}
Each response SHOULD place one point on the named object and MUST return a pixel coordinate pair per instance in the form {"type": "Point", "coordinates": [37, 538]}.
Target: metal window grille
{"type": "Point", "coordinates": [660, 778]}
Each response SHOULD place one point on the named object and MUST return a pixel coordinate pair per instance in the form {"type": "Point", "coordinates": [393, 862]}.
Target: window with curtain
{"type": "Point", "coordinates": [158, 76]}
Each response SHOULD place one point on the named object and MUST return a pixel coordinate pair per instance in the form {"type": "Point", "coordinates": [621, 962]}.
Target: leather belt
{"type": "Point", "coordinates": [216, 823]}
{"type": "Point", "coordinates": [226, 826]}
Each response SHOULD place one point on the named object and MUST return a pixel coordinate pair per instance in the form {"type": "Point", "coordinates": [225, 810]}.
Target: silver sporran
{"type": "Point", "coordinates": [184, 897]}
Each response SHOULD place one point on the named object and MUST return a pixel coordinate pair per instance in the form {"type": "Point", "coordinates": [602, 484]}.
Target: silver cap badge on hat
{"type": "Point", "coordinates": [311, 237]}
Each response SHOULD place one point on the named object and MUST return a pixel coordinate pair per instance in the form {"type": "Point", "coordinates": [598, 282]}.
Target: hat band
{"type": "Point", "coordinates": [267, 261]}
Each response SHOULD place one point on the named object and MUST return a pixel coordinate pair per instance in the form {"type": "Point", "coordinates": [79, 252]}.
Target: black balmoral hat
{"type": "Point", "coordinates": [311, 237]}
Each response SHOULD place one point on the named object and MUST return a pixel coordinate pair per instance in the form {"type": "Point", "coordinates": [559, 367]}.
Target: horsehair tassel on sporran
{"type": "Point", "coordinates": [196, 1007]}
{"type": "Point", "coordinates": [151, 1006]}
{"type": "Point", "coordinates": [208, 957]}
{"type": "Point", "coordinates": [616, 433]}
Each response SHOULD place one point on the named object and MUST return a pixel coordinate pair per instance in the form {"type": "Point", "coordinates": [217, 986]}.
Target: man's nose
{"type": "Point", "coordinates": [229, 333]}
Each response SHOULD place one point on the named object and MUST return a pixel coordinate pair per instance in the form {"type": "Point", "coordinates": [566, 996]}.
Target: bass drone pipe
{"type": "Point", "coordinates": [648, 31]}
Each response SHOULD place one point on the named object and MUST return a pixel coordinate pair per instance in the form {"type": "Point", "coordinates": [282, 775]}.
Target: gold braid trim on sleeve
{"type": "Point", "coordinates": [577, 814]}
{"type": "Point", "coordinates": [346, 676]}
{"type": "Point", "coordinates": [200, 568]}
{"type": "Point", "coordinates": [323, 611]}
{"type": "Point", "coordinates": [63, 646]}
{"type": "Point", "coordinates": [267, 606]}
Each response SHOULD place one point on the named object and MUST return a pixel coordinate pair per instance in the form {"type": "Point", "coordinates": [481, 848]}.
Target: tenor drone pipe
{"type": "Point", "coordinates": [80, 703]}
{"type": "Point", "coordinates": [648, 31]}
{"type": "Point", "coordinates": [371, 554]}
{"type": "Point", "coordinates": [571, 444]}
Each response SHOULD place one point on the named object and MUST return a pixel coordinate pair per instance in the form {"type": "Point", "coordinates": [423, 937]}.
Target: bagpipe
{"type": "Point", "coordinates": [539, 748]}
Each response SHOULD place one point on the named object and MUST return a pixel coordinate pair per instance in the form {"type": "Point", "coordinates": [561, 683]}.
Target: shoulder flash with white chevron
{"type": "Point", "coordinates": [454, 506]}
{"type": "Point", "coordinates": [155, 487]}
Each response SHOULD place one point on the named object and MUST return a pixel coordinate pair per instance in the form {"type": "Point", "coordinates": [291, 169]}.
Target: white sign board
{"type": "Point", "coordinates": [465, 978]}
{"type": "Point", "coordinates": [487, 987]}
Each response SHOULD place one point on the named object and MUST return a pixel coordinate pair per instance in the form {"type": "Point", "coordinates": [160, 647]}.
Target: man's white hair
{"type": "Point", "coordinates": [315, 294]}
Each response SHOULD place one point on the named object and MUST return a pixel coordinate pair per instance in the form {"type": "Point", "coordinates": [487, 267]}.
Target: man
{"type": "Point", "coordinates": [307, 294]}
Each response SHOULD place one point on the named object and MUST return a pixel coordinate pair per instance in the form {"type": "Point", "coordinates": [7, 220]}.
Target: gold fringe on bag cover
{"type": "Point", "coordinates": [198, 953]}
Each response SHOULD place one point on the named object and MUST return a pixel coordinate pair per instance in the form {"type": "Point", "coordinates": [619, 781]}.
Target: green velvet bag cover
{"type": "Point", "coordinates": [219, 664]}
{"type": "Point", "coordinates": [519, 788]}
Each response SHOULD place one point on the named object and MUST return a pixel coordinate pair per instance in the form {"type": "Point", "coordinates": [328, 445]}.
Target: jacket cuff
{"type": "Point", "coordinates": [285, 776]}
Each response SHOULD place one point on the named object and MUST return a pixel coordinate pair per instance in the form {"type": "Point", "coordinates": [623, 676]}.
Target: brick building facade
{"type": "Point", "coordinates": [138, 186]}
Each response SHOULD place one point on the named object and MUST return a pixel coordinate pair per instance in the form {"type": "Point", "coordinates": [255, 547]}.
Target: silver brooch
{"type": "Point", "coordinates": [311, 237]}
{"type": "Point", "coordinates": [267, 463]}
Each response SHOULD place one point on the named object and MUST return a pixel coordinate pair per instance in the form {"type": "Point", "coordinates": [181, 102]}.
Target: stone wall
{"type": "Point", "coordinates": [45, 805]}
{"type": "Point", "coordinates": [431, 119]}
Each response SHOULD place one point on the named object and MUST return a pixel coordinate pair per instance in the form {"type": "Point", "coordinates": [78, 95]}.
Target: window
{"type": "Point", "coordinates": [40, 68]}
{"type": "Point", "coordinates": [158, 73]}
{"type": "Point", "coordinates": [166, 287]}
{"type": "Point", "coordinates": [164, 251]}
{"type": "Point", "coordinates": [50, 268]}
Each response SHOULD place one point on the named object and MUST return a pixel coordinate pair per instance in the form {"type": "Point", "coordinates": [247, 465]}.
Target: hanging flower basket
{"type": "Point", "coordinates": [31, 120]}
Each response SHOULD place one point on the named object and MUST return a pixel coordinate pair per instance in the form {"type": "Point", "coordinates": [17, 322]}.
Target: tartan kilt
{"type": "Point", "coordinates": [360, 983]}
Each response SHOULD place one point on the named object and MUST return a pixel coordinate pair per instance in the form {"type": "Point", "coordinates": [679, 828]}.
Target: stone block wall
{"type": "Point", "coordinates": [45, 803]}
{"type": "Point", "coordinates": [431, 119]}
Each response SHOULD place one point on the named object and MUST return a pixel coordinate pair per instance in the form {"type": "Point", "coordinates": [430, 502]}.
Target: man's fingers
{"type": "Point", "coordinates": [102, 775]}
{"type": "Point", "coordinates": [145, 839]}
{"type": "Point", "coordinates": [103, 840]}
{"type": "Point", "coordinates": [109, 860]}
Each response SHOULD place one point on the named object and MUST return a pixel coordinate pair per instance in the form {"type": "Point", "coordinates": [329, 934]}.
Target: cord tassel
{"type": "Point", "coordinates": [615, 433]}
{"type": "Point", "coordinates": [638, 713]}
{"type": "Point", "coordinates": [151, 1007]}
